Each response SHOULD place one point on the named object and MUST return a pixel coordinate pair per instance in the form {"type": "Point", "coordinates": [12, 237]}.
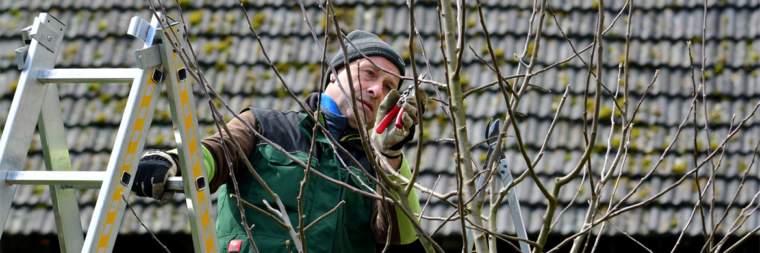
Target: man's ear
{"type": "Point", "coordinates": [334, 76]}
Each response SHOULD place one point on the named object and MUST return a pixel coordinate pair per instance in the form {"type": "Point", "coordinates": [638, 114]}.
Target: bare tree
{"type": "Point", "coordinates": [468, 199]}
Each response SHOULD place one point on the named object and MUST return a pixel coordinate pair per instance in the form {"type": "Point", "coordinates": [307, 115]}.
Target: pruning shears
{"type": "Point", "coordinates": [397, 111]}
{"type": "Point", "coordinates": [492, 135]}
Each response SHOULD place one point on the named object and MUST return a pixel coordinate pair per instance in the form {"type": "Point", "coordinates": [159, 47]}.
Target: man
{"type": "Point", "coordinates": [361, 221]}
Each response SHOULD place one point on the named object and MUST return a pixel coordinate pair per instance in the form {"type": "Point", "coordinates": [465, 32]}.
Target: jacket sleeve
{"type": "Point", "coordinates": [385, 214]}
{"type": "Point", "coordinates": [217, 166]}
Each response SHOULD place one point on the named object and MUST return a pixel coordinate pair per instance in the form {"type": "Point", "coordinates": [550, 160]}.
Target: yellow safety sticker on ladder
{"type": "Point", "coordinates": [184, 98]}
{"type": "Point", "coordinates": [126, 164]}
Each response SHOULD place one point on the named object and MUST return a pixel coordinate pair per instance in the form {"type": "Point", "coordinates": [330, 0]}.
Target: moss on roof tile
{"type": "Point", "coordinates": [196, 17]}
{"type": "Point", "coordinates": [258, 19]}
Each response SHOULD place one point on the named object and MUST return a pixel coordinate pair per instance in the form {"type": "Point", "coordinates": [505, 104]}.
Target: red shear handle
{"type": "Point", "coordinates": [387, 120]}
{"type": "Point", "coordinates": [399, 123]}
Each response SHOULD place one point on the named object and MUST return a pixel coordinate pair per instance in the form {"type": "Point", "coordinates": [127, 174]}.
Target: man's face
{"type": "Point", "coordinates": [371, 85]}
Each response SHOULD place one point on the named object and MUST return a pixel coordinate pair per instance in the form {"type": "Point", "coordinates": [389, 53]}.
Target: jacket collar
{"type": "Point", "coordinates": [312, 102]}
{"type": "Point", "coordinates": [350, 139]}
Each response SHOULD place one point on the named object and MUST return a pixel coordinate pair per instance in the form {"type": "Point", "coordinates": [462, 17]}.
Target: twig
{"type": "Point", "coordinates": [387, 232]}
{"type": "Point", "coordinates": [514, 238]}
{"type": "Point", "coordinates": [143, 224]}
{"type": "Point", "coordinates": [278, 213]}
{"type": "Point", "coordinates": [497, 236]}
{"type": "Point", "coordinates": [628, 127]}
{"type": "Point", "coordinates": [321, 84]}
{"type": "Point", "coordinates": [696, 147]}
{"type": "Point", "coordinates": [516, 97]}
{"type": "Point", "coordinates": [551, 127]}
{"type": "Point", "coordinates": [262, 211]}
{"type": "Point", "coordinates": [486, 141]}
{"type": "Point", "coordinates": [540, 154]}
{"type": "Point", "coordinates": [700, 195]}
{"type": "Point", "coordinates": [581, 58]}
{"type": "Point", "coordinates": [424, 189]}
{"type": "Point", "coordinates": [741, 185]}
{"type": "Point", "coordinates": [519, 60]}
{"type": "Point", "coordinates": [596, 192]}
{"type": "Point", "coordinates": [709, 181]}
{"type": "Point", "coordinates": [580, 186]}
{"type": "Point", "coordinates": [455, 217]}
{"type": "Point", "coordinates": [451, 217]}
{"type": "Point", "coordinates": [624, 233]}
{"type": "Point", "coordinates": [511, 116]}
{"type": "Point", "coordinates": [714, 228]}
{"type": "Point", "coordinates": [617, 181]}
{"type": "Point", "coordinates": [662, 157]}
{"type": "Point", "coordinates": [742, 240]}
{"type": "Point", "coordinates": [324, 215]}
{"type": "Point", "coordinates": [420, 104]}
{"type": "Point", "coordinates": [591, 142]}
{"type": "Point", "coordinates": [744, 215]}
{"type": "Point", "coordinates": [429, 197]}
{"type": "Point", "coordinates": [704, 104]}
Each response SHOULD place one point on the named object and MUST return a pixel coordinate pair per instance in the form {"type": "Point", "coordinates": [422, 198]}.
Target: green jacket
{"type": "Point", "coordinates": [352, 228]}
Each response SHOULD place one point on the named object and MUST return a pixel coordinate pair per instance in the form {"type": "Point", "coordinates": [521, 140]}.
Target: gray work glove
{"type": "Point", "coordinates": [390, 141]}
{"type": "Point", "coordinates": [153, 171]}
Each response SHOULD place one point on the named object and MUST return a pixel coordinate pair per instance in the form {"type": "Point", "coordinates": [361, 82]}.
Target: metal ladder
{"type": "Point", "coordinates": [157, 64]}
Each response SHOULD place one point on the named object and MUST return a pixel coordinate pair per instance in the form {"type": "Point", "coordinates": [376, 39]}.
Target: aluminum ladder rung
{"type": "Point", "coordinates": [105, 75]}
{"type": "Point", "coordinates": [73, 179]}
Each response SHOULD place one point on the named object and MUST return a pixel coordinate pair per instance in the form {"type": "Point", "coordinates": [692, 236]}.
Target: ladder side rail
{"type": "Point", "coordinates": [122, 165]}
{"type": "Point", "coordinates": [184, 118]}
{"type": "Point", "coordinates": [19, 127]}
{"type": "Point", "coordinates": [130, 139]}
{"type": "Point", "coordinates": [56, 155]}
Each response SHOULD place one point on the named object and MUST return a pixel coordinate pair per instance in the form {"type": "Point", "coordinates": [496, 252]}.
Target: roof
{"type": "Point", "coordinates": [232, 61]}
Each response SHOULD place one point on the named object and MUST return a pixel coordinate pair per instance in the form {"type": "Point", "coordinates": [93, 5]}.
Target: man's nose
{"type": "Point", "coordinates": [375, 89]}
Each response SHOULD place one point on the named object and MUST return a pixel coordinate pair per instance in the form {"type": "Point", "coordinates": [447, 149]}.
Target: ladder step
{"type": "Point", "coordinates": [105, 75]}
{"type": "Point", "coordinates": [73, 179]}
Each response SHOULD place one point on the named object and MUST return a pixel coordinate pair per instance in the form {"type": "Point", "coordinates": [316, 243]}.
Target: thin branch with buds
{"type": "Point", "coordinates": [143, 224]}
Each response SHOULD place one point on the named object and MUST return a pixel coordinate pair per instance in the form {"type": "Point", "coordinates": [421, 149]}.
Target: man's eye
{"type": "Point", "coordinates": [388, 87]}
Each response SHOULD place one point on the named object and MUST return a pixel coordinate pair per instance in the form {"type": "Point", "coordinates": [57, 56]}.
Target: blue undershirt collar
{"type": "Point", "coordinates": [329, 104]}
{"type": "Point", "coordinates": [336, 123]}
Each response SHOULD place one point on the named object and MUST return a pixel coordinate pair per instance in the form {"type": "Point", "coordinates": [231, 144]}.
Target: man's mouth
{"type": "Point", "coordinates": [365, 103]}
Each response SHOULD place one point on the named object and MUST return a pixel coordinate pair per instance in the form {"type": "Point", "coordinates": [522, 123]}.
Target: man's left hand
{"type": "Point", "coordinates": [390, 141]}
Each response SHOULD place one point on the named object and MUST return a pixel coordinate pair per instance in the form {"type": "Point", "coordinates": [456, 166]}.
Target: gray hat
{"type": "Point", "coordinates": [370, 45]}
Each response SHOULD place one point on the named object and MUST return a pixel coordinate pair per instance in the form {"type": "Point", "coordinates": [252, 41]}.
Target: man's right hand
{"type": "Point", "coordinates": [153, 171]}
{"type": "Point", "coordinates": [392, 139]}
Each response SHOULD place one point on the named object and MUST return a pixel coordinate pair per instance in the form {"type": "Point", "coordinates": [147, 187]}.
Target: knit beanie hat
{"type": "Point", "coordinates": [370, 45]}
